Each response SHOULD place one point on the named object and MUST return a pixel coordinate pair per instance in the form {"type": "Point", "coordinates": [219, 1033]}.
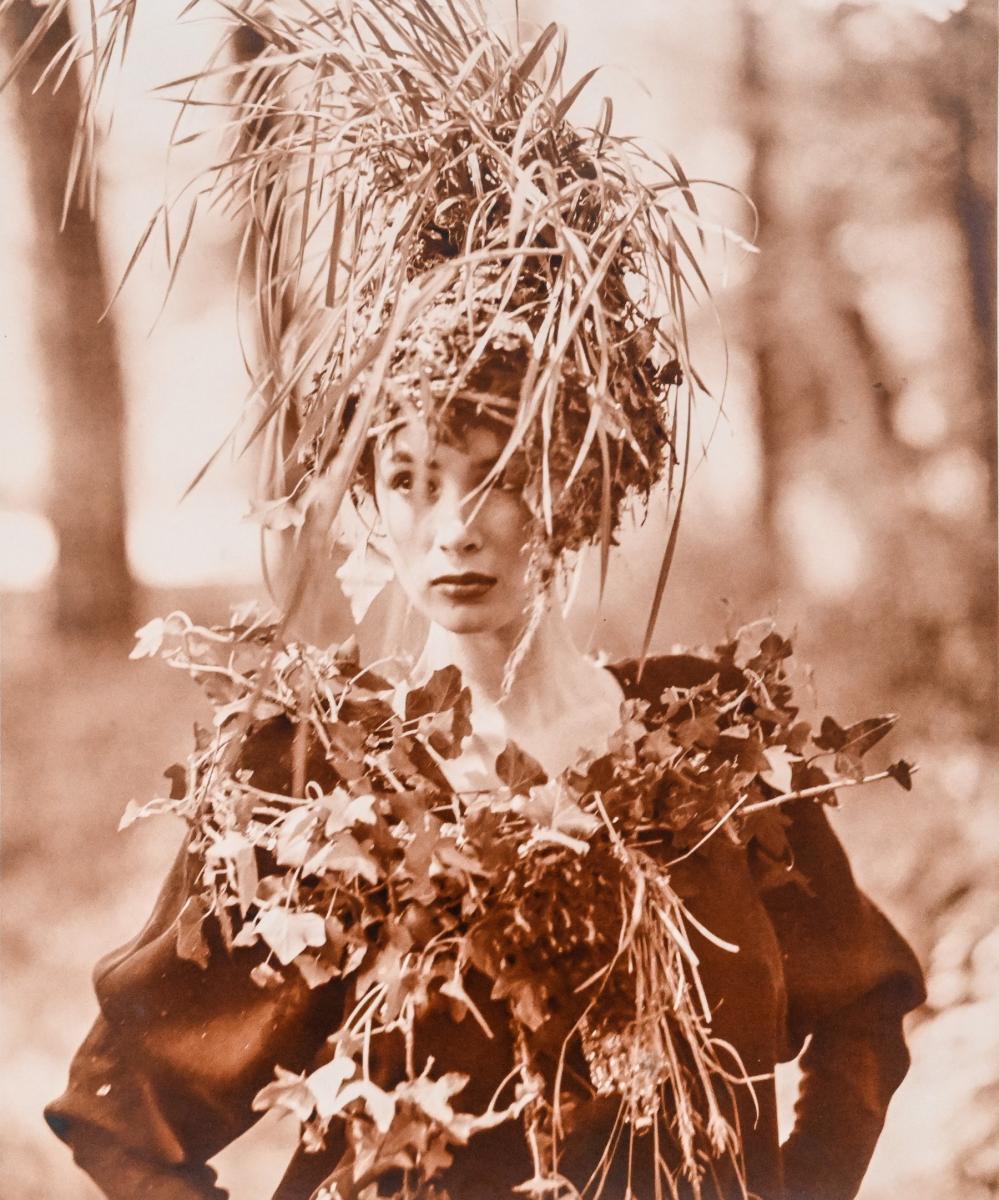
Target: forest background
{"type": "Point", "coordinates": [848, 491]}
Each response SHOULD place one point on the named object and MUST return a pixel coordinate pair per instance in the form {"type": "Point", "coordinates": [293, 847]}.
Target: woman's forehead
{"type": "Point", "coordinates": [415, 440]}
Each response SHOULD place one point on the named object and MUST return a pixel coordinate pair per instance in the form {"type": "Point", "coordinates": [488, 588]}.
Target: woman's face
{"type": "Point", "coordinates": [461, 560]}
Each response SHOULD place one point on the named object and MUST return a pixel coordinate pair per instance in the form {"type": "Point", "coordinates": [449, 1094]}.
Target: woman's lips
{"type": "Point", "coordinates": [467, 586]}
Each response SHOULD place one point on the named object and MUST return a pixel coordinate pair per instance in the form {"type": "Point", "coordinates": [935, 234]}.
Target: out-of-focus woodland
{"type": "Point", "coordinates": [848, 490]}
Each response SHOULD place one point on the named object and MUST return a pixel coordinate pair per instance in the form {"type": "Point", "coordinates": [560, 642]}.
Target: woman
{"type": "Point", "coordinates": [518, 922]}
{"type": "Point", "coordinates": [168, 1074]}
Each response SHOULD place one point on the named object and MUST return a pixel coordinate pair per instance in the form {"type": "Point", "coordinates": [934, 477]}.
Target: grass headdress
{"type": "Point", "coordinates": [425, 229]}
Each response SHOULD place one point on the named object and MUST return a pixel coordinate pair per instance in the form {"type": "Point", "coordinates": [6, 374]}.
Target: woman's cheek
{"type": "Point", "coordinates": [511, 524]}
{"type": "Point", "coordinates": [399, 520]}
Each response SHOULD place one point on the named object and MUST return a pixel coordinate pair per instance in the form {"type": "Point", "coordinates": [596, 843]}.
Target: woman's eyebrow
{"type": "Point", "coordinates": [403, 457]}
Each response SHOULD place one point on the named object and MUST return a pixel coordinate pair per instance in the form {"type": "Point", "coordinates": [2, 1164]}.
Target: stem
{"type": "Point", "coordinates": [821, 790]}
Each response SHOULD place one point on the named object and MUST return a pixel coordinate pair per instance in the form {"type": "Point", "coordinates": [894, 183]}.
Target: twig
{"type": "Point", "coordinates": [820, 790]}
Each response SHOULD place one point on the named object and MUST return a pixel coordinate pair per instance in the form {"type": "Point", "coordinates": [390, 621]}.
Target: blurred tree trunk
{"type": "Point", "coordinates": [93, 589]}
{"type": "Point", "coordinates": [962, 90]}
{"type": "Point", "coordinates": [760, 136]}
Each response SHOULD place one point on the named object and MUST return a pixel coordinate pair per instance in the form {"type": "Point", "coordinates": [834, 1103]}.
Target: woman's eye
{"type": "Point", "coordinates": [510, 480]}
{"type": "Point", "coordinates": [405, 482]}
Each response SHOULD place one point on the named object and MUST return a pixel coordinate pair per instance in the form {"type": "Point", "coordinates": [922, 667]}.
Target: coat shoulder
{"type": "Point", "coordinates": [649, 681]}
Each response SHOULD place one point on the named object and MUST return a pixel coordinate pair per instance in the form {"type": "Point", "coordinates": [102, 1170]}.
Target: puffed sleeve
{"type": "Point", "coordinates": [166, 1077]}
{"type": "Point", "coordinates": [851, 979]}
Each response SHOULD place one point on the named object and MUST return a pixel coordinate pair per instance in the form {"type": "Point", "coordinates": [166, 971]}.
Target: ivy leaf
{"type": "Point", "coordinates": [149, 639]}
{"type": "Point", "coordinates": [659, 746]}
{"type": "Point", "coordinates": [461, 720]}
{"type": "Point", "coordinates": [326, 1084]}
{"type": "Point", "coordinates": [862, 735]}
{"type": "Point", "coordinates": [528, 1005]}
{"type": "Point", "coordinates": [461, 1002]}
{"type": "Point", "coordinates": [380, 1104]}
{"type": "Point", "coordinates": [348, 739]}
{"type": "Point", "coordinates": [315, 971]}
{"type": "Point", "coordinates": [773, 650]}
{"type": "Point", "coordinates": [262, 710]}
{"type": "Point", "coordinates": [294, 841]}
{"type": "Point", "coordinates": [385, 964]}
{"type": "Point", "coordinates": [246, 935]}
{"type": "Point", "coordinates": [348, 857]}
{"type": "Point", "coordinates": [455, 861]}
{"type": "Point", "coordinates": [832, 736]}
{"type": "Point", "coordinates": [779, 766]}
{"type": "Point", "coordinates": [399, 759]}
{"type": "Point", "coordinates": [237, 852]}
{"type": "Point", "coordinates": [133, 812]}
{"type": "Point", "coordinates": [226, 847]}
{"type": "Point", "coordinates": [370, 714]}
{"type": "Point", "coordinates": [441, 691]}
{"type": "Point", "coordinates": [848, 764]}
{"type": "Point", "coordinates": [437, 730]}
{"type": "Point", "coordinates": [901, 772]}
{"type": "Point", "coordinates": [446, 730]}
{"type": "Point", "coordinates": [436, 1157]}
{"type": "Point", "coordinates": [769, 830]}
{"type": "Point", "coordinates": [288, 932]}
{"type": "Point", "coordinates": [701, 730]}
{"type": "Point", "coordinates": [797, 737]}
{"type": "Point", "coordinates": [346, 811]}
{"type": "Point", "coordinates": [518, 770]}
{"type": "Point", "coordinates": [177, 774]}
{"type": "Point", "coordinates": [433, 1096]}
{"type": "Point", "coordinates": [419, 856]}
{"type": "Point", "coordinates": [265, 976]}
{"type": "Point", "coordinates": [557, 817]}
{"type": "Point", "coordinates": [599, 775]}
{"type": "Point", "coordinates": [288, 1093]}
{"type": "Point", "coordinates": [466, 1125]}
{"type": "Point", "coordinates": [752, 758]}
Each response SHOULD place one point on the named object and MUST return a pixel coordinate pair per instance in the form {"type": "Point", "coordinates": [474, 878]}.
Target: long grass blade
{"type": "Point", "coordinates": [667, 560]}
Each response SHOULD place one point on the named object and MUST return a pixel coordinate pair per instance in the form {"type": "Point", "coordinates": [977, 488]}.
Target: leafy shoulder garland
{"type": "Point", "coordinates": [329, 836]}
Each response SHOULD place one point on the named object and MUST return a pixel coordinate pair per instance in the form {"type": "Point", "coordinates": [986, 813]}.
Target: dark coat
{"type": "Point", "coordinates": [166, 1077]}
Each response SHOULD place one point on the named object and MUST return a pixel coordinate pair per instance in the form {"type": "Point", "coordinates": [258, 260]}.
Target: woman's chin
{"type": "Point", "coordinates": [465, 619]}
{"type": "Point", "coordinates": [469, 618]}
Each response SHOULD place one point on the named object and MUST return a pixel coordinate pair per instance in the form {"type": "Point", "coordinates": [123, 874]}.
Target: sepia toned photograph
{"type": "Point", "coordinates": [499, 602]}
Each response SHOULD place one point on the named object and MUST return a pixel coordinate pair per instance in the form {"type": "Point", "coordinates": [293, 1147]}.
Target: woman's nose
{"type": "Point", "coordinates": [457, 533]}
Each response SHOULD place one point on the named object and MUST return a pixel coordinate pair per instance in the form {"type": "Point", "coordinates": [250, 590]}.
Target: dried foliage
{"type": "Point", "coordinates": [335, 843]}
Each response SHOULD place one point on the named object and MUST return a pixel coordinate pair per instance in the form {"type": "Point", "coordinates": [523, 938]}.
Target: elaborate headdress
{"type": "Point", "coordinates": [427, 230]}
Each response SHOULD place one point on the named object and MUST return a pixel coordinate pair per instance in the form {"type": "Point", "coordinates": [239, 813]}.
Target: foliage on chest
{"type": "Point", "coordinates": [330, 840]}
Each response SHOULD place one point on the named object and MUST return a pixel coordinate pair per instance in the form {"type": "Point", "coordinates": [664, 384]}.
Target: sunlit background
{"type": "Point", "coordinates": [847, 488]}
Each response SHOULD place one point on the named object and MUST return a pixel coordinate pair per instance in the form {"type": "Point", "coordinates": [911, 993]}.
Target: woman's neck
{"type": "Point", "coordinates": [559, 704]}
{"type": "Point", "coordinates": [548, 673]}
